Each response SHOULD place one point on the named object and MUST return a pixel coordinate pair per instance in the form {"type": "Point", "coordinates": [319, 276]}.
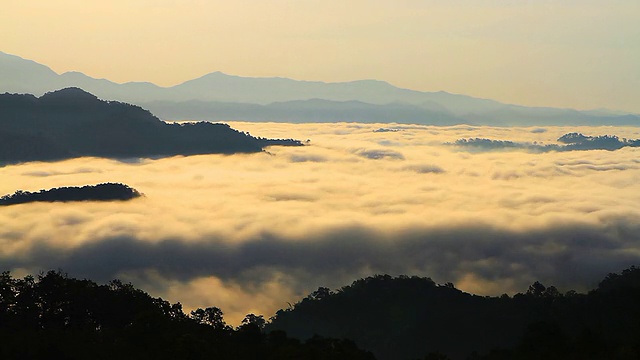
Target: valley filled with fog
{"type": "Point", "coordinates": [252, 232]}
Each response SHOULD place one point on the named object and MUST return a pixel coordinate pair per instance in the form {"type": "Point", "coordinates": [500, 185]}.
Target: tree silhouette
{"type": "Point", "coordinates": [321, 293]}
{"type": "Point", "coordinates": [256, 320]}
{"type": "Point", "coordinates": [55, 316]}
{"type": "Point", "coordinates": [211, 316]}
{"type": "Point", "coordinates": [536, 289]}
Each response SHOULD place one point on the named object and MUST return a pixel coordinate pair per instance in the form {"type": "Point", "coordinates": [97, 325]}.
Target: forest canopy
{"type": "Point", "coordinates": [53, 316]}
{"type": "Point", "coordinates": [72, 123]}
{"type": "Point", "coordinates": [100, 192]}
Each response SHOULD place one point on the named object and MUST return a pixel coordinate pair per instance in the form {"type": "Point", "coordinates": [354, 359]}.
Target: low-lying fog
{"type": "Point", "coordinates": [249, 233]}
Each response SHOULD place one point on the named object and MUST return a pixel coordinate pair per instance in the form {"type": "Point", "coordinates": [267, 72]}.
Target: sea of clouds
{"type": "Point", "coordinates": [252, 232]}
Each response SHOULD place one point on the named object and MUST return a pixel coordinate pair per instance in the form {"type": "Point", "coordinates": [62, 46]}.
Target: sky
{"type": "Point", "coordinates": [250, 233]}
{"type": "Point", "coordinates": [561, 53]}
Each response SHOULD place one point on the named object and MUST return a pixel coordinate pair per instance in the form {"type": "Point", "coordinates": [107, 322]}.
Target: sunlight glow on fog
{"type": "Point", "coordinates": [247, 233]}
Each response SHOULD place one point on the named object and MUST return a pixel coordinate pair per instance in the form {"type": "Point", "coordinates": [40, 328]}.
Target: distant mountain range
{"type": "Point", "coordinates": [72, 123]}
{"type": "Point", "coordinates": [218, 96]}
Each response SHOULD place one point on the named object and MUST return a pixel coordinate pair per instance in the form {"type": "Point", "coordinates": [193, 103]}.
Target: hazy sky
{"type": "Point", "coordinates": [565, 53]}
{"type": "Point", "coordinates": [251, 232]}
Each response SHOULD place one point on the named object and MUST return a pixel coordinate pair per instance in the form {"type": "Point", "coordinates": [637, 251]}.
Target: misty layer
{"type": "Point", "coordinates": [249, 232]}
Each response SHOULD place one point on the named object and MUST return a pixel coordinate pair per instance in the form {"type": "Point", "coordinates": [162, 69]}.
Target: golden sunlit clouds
{"type": "Point", "coordinates": [538, 53]}
{"type": "Point", "coordinates": [216, 230]}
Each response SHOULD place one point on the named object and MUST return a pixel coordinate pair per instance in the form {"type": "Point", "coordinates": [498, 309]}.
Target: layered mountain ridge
{"type": "Point", "coordinates": [229, 97]}
{"type": "Point", "coordinates": [72, 123]}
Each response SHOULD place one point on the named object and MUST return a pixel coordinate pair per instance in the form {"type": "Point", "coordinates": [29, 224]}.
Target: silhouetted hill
{"type": "Point", "coordinates": [100, 192]}
{"type": "Point", "coordinates": [72, 122]}
{"type": "Point", "coordinates": [572, 141]}
{"type": "Point", "coordinates": [234, 97]}
{"type": "Point", "coordinates": [410, 317]}
{"type": "Point", "coordinates": [53, 316]}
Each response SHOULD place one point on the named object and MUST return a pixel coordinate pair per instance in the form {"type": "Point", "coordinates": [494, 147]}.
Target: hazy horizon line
{"type": "Point", "coordinates": [60, 73]}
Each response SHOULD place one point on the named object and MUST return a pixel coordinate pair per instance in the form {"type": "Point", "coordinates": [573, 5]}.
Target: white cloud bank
{"type": "Point", "coordinates": [249, 233]}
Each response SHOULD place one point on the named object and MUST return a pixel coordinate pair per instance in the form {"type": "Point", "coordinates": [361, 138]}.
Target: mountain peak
{"type": "Point", "coordinates": [217, 74]}
{"type": "Point", "coordinates": [70, 93]}
{"type": "Point", "coordinates": [76, 74]}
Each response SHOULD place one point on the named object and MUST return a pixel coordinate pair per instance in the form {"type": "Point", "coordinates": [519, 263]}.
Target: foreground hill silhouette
{"type": "Point", "coordinates": [53, 316]}
{"type": "Point", "coordinates": [410, 317]}
{"type": "Point", "coordinates": [72, 123]}
{"type": "Point", "coordinates": [100, 192]}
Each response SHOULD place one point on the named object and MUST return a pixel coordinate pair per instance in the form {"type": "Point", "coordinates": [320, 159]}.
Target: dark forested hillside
{"type": "Point", "coordinates": [53, 316]}
{"type": "Point", "coordinates": [572, 142]}
{"type": "Point", "coordinates": [71, 123]}
{"type": "Point", "coordinates": [410, 317]}
{"type": "Point", "coordinates": [100, 192]}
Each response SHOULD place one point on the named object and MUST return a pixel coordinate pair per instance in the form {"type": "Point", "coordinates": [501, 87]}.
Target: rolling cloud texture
{"type": "Point", "coordinates": [251, 232]}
